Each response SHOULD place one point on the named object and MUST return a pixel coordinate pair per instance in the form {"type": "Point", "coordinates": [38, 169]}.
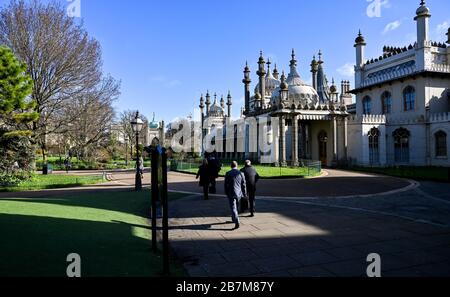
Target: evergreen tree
{"type": "Point", "coordinates": [16, 107]}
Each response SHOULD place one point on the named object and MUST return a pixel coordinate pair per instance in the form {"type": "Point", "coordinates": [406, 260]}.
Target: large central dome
{"type": "Point", "coordinates": [299, 91]}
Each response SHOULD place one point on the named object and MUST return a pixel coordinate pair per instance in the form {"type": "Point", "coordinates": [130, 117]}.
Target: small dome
{"type": "Point", "coordinates": [153, 125]}
{"type": "Point", "coordinates": [333, 89]}
{"type": "Point", "coordinates": [360, 39]}
{"type": "Point", "coordinates": [216, 110]}
{"type": "Point", "coordinates": [423, 10]}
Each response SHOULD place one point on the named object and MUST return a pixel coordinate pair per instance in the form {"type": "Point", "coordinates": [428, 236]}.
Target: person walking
{"type": "Point", "coordinates": [205, 180]}
{"type": "Point", "coordinates": [235, 189]}
{"type": "Point", "coordinates": [251, 178]}
{"type": "Point", "coordinates": [214, 170]}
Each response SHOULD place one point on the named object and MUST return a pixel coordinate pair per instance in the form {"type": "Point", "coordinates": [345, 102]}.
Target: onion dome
{"type": "Point", "coordinates": [423, 10]}
{"type": "Point", "coordinates": [360, 39]}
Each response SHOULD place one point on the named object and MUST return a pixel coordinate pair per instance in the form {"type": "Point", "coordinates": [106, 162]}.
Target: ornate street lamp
{"type": "Point", "coordinates": [137, 124]}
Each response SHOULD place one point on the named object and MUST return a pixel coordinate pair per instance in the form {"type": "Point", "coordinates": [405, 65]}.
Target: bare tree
{"type": "Point", "coordinates": [125, 126]}
{"type": "Point", "coordinates": [93, 115]}
{"type": "Point", "coordinates": [63, 61]}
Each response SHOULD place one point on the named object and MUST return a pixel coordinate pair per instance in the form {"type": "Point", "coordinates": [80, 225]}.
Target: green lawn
{"type": "Point", "coordinates": [58, 164]}
{"type": "Point", "coordinates": [108, 229]}
{"type": "Point", "coordinates": [267, 171]}
{"type": "Point", "coordinates": [54, 181]}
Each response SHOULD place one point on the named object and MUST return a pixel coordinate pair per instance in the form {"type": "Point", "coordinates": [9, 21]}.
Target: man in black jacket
{"type": "Point", "coordinates": [251, 178]}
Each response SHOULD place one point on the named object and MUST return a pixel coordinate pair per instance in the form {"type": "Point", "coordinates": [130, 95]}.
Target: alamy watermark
{"type": "Point", "coordinates": [249, 135]}
{"type": "Point", "coordinates": [74, 8]}
{"type": "Point", "coordinates": [74, 267]}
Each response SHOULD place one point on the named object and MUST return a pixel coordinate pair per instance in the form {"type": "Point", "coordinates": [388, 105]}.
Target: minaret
{"type": "Point", "coordinates": [247, 81]}
{"type": "Point", "coordinates": [275, 72]}
{"type": "Point", "coordinates": [202, 106]}
{"type": "Point", "coordinates": [208, 103]}
{"type": "Point", "coordinates": [423, 27]}
{"type": "Point", "coordinates": [333, 92]}
{"type": "Point", "coordinates": [360, 45]}
{"type": "Point", "coordinates": [229, 104]}
{"type": "Point", "coordinates": [314, 70]}
{"type": "Point", "coordinates": [262, 77]}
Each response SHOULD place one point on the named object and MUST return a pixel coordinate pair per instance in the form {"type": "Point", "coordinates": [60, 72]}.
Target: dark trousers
{"type": "Point", "coordinates": [212, 188]}
{"type": "Point", "coordinates": [252, 200]}
{"type": "Point", "coordinates": [206, 192]}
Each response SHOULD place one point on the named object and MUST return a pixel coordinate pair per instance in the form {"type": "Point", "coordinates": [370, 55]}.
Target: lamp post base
{"type": "Point", "coordinates": [138, 182]}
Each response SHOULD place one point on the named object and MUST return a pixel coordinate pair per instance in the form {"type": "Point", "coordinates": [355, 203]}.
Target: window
{"type": "Point", "coordinates": [386, 102]}
{"type": "Point", "coordinates": [367, 105]}
{"type": "Point", "coordinates": [441, 144]}
{"type": "Point", "coordinates": [374, 146]}
{"type": "Point", "coordinates": [401, 142]}
{"type": "Point", "coordinates": [409, 98]}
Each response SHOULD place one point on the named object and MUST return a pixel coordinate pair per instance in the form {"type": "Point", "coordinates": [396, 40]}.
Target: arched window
{"type": "Point", "coordinates": [374, 146]}
{"type": "Point", "coordinates": [401, 142]}
{"type": "Point", "coordinates": [441, 144]}
{"type": "Point", "coordinates": [367, 105]}
{"type": "Point", "coordinates": [409, 98]}
{"type": "Point", "coordinates": [386, 102]}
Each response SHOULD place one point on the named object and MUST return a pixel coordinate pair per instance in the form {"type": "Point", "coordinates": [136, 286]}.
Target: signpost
{"type": "Point", "coordinates": [160, 194]}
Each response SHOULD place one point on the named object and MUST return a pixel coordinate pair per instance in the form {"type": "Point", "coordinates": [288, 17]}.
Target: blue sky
{"type": "Point", "coordinates": [166, 53]}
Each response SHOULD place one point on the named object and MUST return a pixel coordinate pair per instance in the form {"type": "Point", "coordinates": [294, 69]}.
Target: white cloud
{"type": "Point", "coordinates": [347, 70]}
{"type": "Point", "coordinates": [165, 82]}
{"type": "Point", "coordinates": [442, 29]}
{"type": "Point", "coordinates": [391, 27]}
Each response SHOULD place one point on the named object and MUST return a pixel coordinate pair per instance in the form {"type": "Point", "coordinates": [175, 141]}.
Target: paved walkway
{"type": "Point", "coordinates": [322, 227]}
{"type": "Point", "coordinates": [291, 239]}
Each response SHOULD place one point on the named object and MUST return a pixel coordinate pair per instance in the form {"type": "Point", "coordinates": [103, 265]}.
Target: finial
{"type": "Point", "coordinates": [229, 94]}
{"type": "Point", "coordinates": [422, 2]}
{"type": "Point", "coordinates": [268, 64]}
{"type": "Point", "coordinates": [293, 61]}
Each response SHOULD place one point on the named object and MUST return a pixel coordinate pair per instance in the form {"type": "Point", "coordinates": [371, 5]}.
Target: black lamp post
{"type": "Point", "coordinates": [136, 125]}
{"type": "Point", "coordinates": [126, 151]}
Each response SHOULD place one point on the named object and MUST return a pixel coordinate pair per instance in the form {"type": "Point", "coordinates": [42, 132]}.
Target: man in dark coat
{"type": "Point", "coordinates": [251, 178]}
{"type": "Point", "coordinates": [214, 170]}
{"type": "Point", "coordinates": [235, 189]}
{"type": "Point", "coordinates": [204, 175]}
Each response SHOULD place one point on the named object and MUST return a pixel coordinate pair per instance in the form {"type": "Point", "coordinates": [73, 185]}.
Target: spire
{"type": "Point", "coordinates": [222, 102]}
{"type": "Point", "coordinates": [275, 72]}
{"type": "Point", "coordinates": [268, 65]}
{"type": "Point", "coordinates": [202, 103]}
{"type": "Point", "coordinates": [293, 60]}
{"type": "Point", "coordinates": [283, 85]}
{"type": "Point", "coordinates": [320, 57]}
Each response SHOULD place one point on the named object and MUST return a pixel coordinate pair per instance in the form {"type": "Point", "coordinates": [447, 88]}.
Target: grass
{"type": "Point", "coordinates": [421, 173]}
{"type": "Point", "coordinates": [108, 229]}
{"type": "Point", "coordinates": [268, 172]}
{"type": "Point", "coordinates": [54, 181]}
{"type": "Point", "coordinates": [58, 164]}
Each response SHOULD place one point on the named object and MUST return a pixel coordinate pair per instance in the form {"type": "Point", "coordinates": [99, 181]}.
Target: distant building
{"type": "Point", "coordinates": [402, 102]}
